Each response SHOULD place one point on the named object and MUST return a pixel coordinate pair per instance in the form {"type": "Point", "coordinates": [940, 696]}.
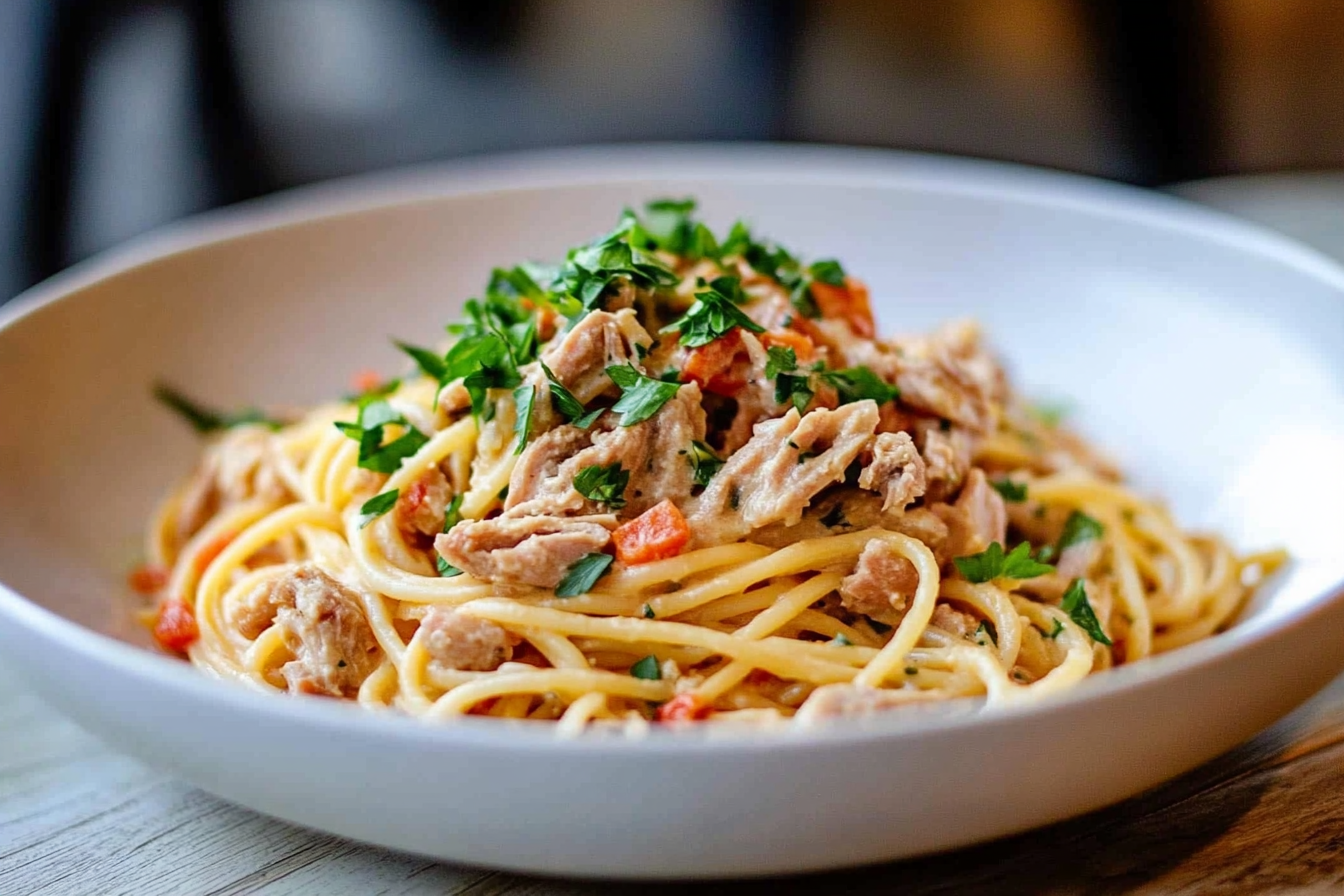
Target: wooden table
{"type": "Point", "coordinates": [76, 818]}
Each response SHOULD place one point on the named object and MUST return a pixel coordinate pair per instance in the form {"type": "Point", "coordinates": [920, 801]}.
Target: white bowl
{"type": "Point", "coordinates": [1207, 354]}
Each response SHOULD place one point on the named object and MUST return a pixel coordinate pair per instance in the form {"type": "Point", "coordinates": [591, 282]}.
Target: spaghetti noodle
{"type": "Point", "coordinates": [677, 478]}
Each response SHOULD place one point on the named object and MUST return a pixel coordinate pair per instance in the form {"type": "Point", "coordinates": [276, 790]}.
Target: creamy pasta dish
{"type": "Point", "coordinates": [679, 477]}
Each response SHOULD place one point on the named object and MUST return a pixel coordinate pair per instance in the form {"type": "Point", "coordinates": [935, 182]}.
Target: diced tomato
{"type": "Point", "coordinates": [148, 578]}
{"type": "Point", "coordinates": [684, 708]}
{"type": "Point", "coordinates": [213, 548]}
{"type": "Point", "coordinates": [366, 381]}
{"type": "Point", "coordinates": [175, 628]}
{"type": "Point", "coordinates": [848, 303]}
{"type": "Point", "coordinates": [803, 347]}
{"type": "Point", "coordinates": [711, 366]}
{"type": "Point", "coordinates": [656, 534]}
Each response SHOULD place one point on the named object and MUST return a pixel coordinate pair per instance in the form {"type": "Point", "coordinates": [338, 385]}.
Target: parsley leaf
{"type": "Point", "coordinates": [704, 463]}
{"type": "Point", "coordinates": [991, 563]}
{"type": "Point", "coordinates": [430, 363]}
{"type": "Point", "coordinates": [985, 630]}
{"type": "Point", "coordinates": [583, 574]}
{"type": "Point", "coordinates": [647, 612]}
{"type": "Point", "coordinates": [1079, 527]}
{"type": "Point", "coordinates": [780, 360]}
{"type": "Point", "coordinates": [1014, 492]}
{"type": "Point", "coordinates": [641, 396]}
{"type": "Point", "coordinates": [712, 316]}
{"type": "Point", "coordinates": [523, 399]}
{"type": "Point", "coordinates": [203, 419]}
{"type": "Point", "coordinates": [368, 431]}
{"type": "Point", "coordinates": [589, 270]}
{"type": "Point", "coordinates": [603, 484]}
{"type": "Point", "coordinates": [841, 641]}
{"type": "Point", "coordinates": [453, 514]}
{"type": "Point", "coordinates": [860, 383]}
{"type": "Point", "coordinates": [446, 569]}
{"type": "Point", "coordinates": [827, 271]}
{"type": "Point", "coordinates": [1075, 603]}
{"type": "Point", "coordinates": [667, 224]}
{"type": "Point", "coordinates": [647, 669]}
{"type": "Point", "coordinates": [1054, 632]}
{"type": "Point", "coordinates": [569, 407]}
{"type": "Point", "coordinates": [376, 506]}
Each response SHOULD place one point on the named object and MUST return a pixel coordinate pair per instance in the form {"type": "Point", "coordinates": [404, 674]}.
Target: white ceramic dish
{"type": "Point", "coordinates": [1207, 354]}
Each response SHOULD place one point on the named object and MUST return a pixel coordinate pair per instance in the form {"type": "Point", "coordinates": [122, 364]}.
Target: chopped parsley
{"type": "Point", "coordinates": [779, 360]}
{"type": "Point", "coordinates": [667, 224]}
{"type": "Point", "coordinates": [827, 271]}
{"type": "Point", "coordinates": [1014, 492]}
{"type": "Point", "coordinates": [704, 463]}
{"type": "Point", "coordinates": [1079, 527]}
{"type": "Point", "coordinates": [590, 270]}
{"type": "Point", "coordinates": [860, 383]}
{"type": "Point", "coordinates": [453, 514]}
{"type": "Point", "coordinates": [376, 506]}
{"type": "Point", "coordinates": [641, 396]}
{"type": "Point", "coordinates": [647, 612]}
{"type": "Point", "coordinates": [1054, 632]}
{"type": "Point", "coordinates": [523, 399]}
{"type": "Point", "coordinates": [430, 363]}
{"type": "Point", "coordinates": [204, 420]}
{"type": "Point", "coordinates": [569, 407]}
{"type": "Point", "coordinates": [991, 564]}
{"type": "Point", "coordinates": [1075, 603]}
{"type": "Point", "coordinates": [583, 574]}
{"type": "Point", "coordinates": [985, 631]}
{"type": "Point", "coordinates": [835, 517]}
{"type": "Point", "coordinates": [713, 315]}
{"type": "Point", "coordinates": [446, 569]}
{"type": "Point", "coordinates": [911, 670]}
{"type": "Point", "coordinates": [647, 669]}
{"type": "Point", "coordinates": [368, 429]}
{"type": "Point", "coordinates": [841, 641]}
{"type": "Point", "coordinates": [603, 484]}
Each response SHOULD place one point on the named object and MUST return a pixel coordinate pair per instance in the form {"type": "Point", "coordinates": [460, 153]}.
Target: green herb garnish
{"type": "Point", "coordinates": [1079, 527]}
{"type": "Point", "coordinates": [569, 407]}
{"type": "Point", "coordinates": [860, 383]}
{"type": "Point", "coordinates": [368, 429]}
{"type": "Point", "coordinates": [704, 463]}
{"type": "Point", "coordinates": [376, 506]}
{"type": "Point", "coordinates": [713, 315]}
{"type": "Point", "coordinates": [641, 396]}
{"type": "Point", "coordinates": [523, 399]}
{"type": "Point", "coordinates": [204, 420]}
{"type": "Point", "coordinates": [583, 574]}
{"type": "Point", "coordinates": [1076, 604]}
{"type": "Point", "coordinates": [603, 484]}
{"type": "Point", "coordinates": [1015, 492]}
{"type": "Point", "coordinates": [647, 669]}
{"type": "Point", "coordinates": [991, 564]}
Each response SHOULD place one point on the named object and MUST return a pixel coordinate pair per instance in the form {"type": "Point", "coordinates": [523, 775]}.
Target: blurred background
{"type": "Point", "coordinates": [119, 115]}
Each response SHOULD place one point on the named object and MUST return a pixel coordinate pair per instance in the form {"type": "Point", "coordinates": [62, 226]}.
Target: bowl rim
{"type": "Point", "coordinates": [614, 165]}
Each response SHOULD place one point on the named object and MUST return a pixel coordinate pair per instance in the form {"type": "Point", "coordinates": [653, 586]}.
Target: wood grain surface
{"type": "Point", "coordinates": [76, 819]}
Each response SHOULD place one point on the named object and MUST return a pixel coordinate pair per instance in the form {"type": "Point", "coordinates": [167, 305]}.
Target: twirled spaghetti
{"type": "Point", "coordinates": [676, 478]}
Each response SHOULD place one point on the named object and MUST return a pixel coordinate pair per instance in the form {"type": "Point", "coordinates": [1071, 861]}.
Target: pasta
{"type": "Point", "coordinates": [677, 478]}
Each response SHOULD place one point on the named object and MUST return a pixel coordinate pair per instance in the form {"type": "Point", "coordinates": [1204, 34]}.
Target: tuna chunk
{"type": "Point", "coordinates": [949, 374]}
{"type": "Point", "coordinates": [530, 550]}
{"type": "Point", "coordinates": [977, 518]}
{"type": "Point", "coordinates": [454, 640]}
{"type": "Point", "coordinates": [653, 452]}
{"type": "Point", "coordinates": [896, 471]}
{"type": "Point", "coordinates": [579, 359]}
{"type": "Point", "coordinates": [421, 505]}
{"type": "Point", "coordinates": [831, 701]}
{"type": "Point", "coordinates": [881, 585]}
{"type": "Point", "coordinates": [954, 622]}
{"type": "Point", "coordinates": [947, 460]}
{"type": "Point", "coordinates": [324, 628]}
{"type": "Point", "coordinates": [240, 466]}
{"type": "Point", "coordinates": [774, 477]}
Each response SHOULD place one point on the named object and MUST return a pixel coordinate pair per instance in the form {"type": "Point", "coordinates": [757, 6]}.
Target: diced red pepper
{"type": "Point", "coordinates": [176, 628]}
{"type": "Point", "coordinates": [684, 708]}
{"type": "Point", "coordinates": [713, 366]}
{"type": "Point", "coordinates": [849, 303]}
{"type": "Point", "coordinates": [656, 534]}
{"type": "Point", "coordinates": [366, 381]}
{"type": "Point", "coordinates": [148, 578]}
{"type": "Point", "coordinates": [212, 549]}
